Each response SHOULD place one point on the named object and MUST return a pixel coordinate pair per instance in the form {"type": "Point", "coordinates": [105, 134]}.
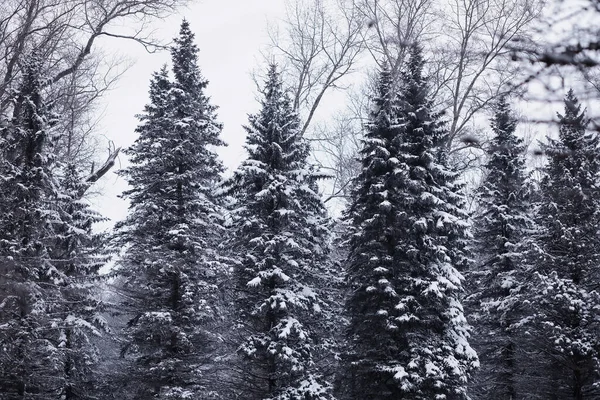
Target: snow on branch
{"type": "Point", "coordinates": [100, 172]}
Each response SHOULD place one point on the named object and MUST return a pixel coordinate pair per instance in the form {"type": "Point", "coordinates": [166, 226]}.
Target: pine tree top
{"type": "Point", "coordinates": [273, 135]}
{"type": "Point", "coordinates": [184, 54]}
{"type": "Point", "coordinates": [504, 221]}
{"type": "Point", "coordinates": [384, 102]}
{"type": "Point", "coordinates": [506, 147]}
{"type": "Point", "coordinates": [273, 88]}
{"type": "Point", "coordinates": [503, 122]}
{"type": "Point", "coordinates": [569, 206]}
{"type": "Point", "coordinates": [572, 122]}
{"type": "Point", "coordinates": [174, 168]}
{"type": "Point", "coordinates": [575, 151]}
{"type": "Point", "coordinates": [414, 91]}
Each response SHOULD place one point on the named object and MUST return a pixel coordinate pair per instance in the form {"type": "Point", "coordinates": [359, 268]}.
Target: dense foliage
{"type": "Point", "coordinates": [502, 227]}
{"type": "Point", "coordinates": [49, 260]}
{"type": "Point", "coordinates": [280, 237]}
{"type": "Point", "coordinates": [408, 335]}
{"type": "Point", "coordinates": [564, 298]}
{"type": "Point", "coordinates": [169, 272]}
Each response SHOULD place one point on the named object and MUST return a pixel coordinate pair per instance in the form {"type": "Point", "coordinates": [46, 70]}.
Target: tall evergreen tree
{"type": "Point", "coordinates": [408, 337]}
{"type": "Point", "coordinates": [503, 226]}
{"type": "Point", "coordinates": [564, 306]}
{"type": "Point", "coordinates": [79, 253]}
{"type": "Point", "coordinates": [25, 187]}
{"type": "Point", "coordinates": [280, 231]}
{"type": "Point", "coordinates": [49, 262]}
{"type": "Point", "coordinates": [170, 268]}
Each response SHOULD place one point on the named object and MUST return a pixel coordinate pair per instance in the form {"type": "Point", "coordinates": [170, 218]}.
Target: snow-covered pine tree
{"type": "Point", "coordinates": [370, 216]}
{"type": "Point", "coordinates": [24, 258]}
{"type": "Point", "coordinates": [47, 309]}
{"type": "Point", "coordinates": [170, 269]}
{"type": "Point", "coordinates": [502, 226]}
{"type": "Point", "coordinates": [280, 232]}
{"type": "Point", "coordinates": [408, 338]}
{"type": "Point", "coordinates": [78, 253]}
{"type": "Point", "coordinates": [564, 322]}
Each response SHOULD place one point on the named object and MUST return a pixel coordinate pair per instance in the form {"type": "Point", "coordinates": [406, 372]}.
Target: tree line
{"type": "Point", "coordinates": [244, 288]}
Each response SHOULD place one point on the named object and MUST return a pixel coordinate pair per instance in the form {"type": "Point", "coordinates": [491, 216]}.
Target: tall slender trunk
{"type": "Point", "coordinates": [510, 375]}
{"type": "Point", "coordinates": [577, 384]}
{"type": "Point", "coordinates": [271, 367]}
{"type": "Point", "coordinates": [68, 389]}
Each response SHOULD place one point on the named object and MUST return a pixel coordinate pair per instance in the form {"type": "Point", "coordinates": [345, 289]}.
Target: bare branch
{"type": "Point", "coordinates": [63, 34]}
{"type": "Point", "coordinates": [100, 172]}
{"type": "Point", "coordinates": [320, 47]}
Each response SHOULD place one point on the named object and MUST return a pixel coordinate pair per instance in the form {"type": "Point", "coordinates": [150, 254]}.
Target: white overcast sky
{"type": "Point", "coordinates": [230, 35]}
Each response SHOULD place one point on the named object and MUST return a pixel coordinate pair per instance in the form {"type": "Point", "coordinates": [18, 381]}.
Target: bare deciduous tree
{"type": "Point", "coordinates": [562, 54]}
{"type": "Point", "coordinates": [336, 145]}
{"type": "Point", "coordinates": [474, 67]}
{"type": "Point", "coordinates": [469, 59]}
{"type": "Point", "coordinates": [394, 25]}
{"type": "Point", "coordinates": [63, 33]}
{"type": "Point", "coordinates": [468, 43]}
{"type": "Point", "coordinates": [320, 41]}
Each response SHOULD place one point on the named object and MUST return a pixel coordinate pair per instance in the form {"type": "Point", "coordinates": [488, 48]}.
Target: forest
{"type": "Point", "coordinates": [436, 239]}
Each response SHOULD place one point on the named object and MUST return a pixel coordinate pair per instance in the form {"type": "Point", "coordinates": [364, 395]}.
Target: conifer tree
{"type": "Point", "coordinates": [49, 259]}
{"type": "Point", "coordinates": [78, 253]}
{"type": "Point", "coordinates": [503, 226]}
{"type": "Point", "coordinates": [564, 323]}
{"type": "Point", "coordinates": [24, 256]}
{"type": "Point", "coordinates": [408, 337]}
{"type": "Point", "coordinates": [170, 268]}
{"type": "Point", "coordinates": [279, 230]}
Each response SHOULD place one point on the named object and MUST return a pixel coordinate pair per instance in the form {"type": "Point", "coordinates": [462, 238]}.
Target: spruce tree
{"type": "Point", "coordinates": [408, 337]}
{"type": "Point", "coordinates": [78, 253]}
{"type": "Point", "coordinates": [279, 230]}
{"type": "Point", "coordinates": [49, 259]}
{"type": "Point", "coordinates": [25, 186]}
{"type": "Point", "coordinates": [502, 228]}
{"type": "Point", "coordinates": [564, 299]}
{"type": "Point", "coordinates": [170, 270]}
